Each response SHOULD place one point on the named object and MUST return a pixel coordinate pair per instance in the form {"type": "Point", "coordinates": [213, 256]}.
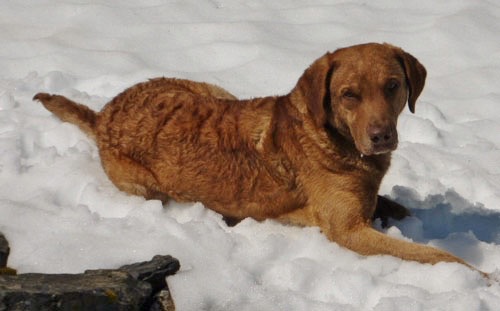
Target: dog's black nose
{"type": "Point", "coordinates": [382, 137]}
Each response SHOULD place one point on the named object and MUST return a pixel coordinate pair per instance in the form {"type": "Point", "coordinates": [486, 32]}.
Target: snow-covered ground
{"type": "Point", "coordinates": [61, 214]}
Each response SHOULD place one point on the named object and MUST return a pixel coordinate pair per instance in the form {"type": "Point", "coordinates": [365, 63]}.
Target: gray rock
{"type": "Point", "coordinates": [92, 290]}
{"type": "Point", "coordinates": [132, 287]}
{"type": "Point", "coordinates": [153, 271]}
{"type": "Point", "coordinates": [4, 251]}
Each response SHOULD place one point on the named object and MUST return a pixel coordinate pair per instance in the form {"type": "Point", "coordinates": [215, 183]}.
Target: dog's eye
{"type": "Point", "coordinates": [349, 94]}
{"type": "Point", "coordinates": [392, 86]}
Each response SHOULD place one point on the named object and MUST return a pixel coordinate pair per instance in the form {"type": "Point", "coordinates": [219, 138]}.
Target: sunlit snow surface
{"type": "Point", "coordinates": [61, 213]}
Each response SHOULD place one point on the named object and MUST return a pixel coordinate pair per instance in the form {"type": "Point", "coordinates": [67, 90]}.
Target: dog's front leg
{"type": "Point", "coordinates": [367, 241]}
{"type": "Point", "coordinates": [360, 237]}
{"type": "Point", "coordinates": [387, 208]}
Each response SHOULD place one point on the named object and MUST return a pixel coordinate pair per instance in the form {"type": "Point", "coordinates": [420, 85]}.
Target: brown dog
{"type": "Point", "coordinates": [314, 157]}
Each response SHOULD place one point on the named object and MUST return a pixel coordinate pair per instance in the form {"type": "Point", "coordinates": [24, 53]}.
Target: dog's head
{"type": "Point", "coordinates": [360, 92]}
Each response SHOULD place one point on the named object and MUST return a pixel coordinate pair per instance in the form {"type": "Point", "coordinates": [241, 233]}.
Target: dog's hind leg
{"type": "Point", "coordinates": [130, 176]}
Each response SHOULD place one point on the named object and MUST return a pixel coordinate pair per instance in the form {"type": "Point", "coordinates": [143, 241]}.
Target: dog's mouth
{"type": "Point", "coordinates": [376, 139]}
{"type": "Point", "coordinates": [377, 148]}
{"type": "Point", "coordinates": [388, 147]}
{"type": "Point", "coordinates": [372, 142]}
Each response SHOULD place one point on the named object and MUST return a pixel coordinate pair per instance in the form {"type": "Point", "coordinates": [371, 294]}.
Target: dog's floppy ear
{"type": "Point", "coordinates": [415, 75]}
{"type": "Point", "coordinates": [314, 87]}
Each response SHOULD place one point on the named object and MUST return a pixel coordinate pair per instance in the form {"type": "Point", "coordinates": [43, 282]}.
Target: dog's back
{"type": "Point", "coordinates": [192, 142]}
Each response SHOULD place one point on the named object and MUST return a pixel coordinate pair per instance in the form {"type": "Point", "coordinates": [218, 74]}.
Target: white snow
{"type": "Point", "coordinates": [61, 213]}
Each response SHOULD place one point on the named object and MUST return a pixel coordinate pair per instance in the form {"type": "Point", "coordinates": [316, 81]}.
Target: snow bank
{"type": "Point", "coordinates": [61, 213]}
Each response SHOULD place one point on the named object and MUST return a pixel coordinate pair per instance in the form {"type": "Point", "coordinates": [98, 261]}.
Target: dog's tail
{"type": "Point", "coordinates": [69, 111]}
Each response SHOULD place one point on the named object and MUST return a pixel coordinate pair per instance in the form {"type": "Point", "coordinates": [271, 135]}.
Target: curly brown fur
{"type": "Point", "coordinates": [314, 157]}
